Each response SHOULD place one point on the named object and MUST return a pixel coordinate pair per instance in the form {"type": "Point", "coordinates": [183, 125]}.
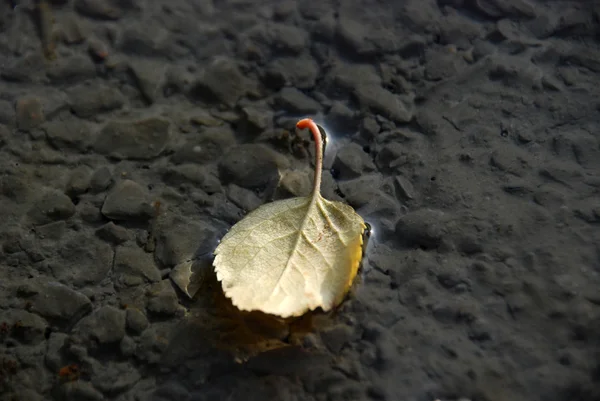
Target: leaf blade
{"type": "Point", "coordinates": [306, 267]}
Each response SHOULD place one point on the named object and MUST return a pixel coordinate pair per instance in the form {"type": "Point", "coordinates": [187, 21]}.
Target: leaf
{"type": "Point", "coordinates": [291, 256]}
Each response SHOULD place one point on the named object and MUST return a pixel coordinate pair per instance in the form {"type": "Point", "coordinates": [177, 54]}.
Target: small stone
{"type": "Point", "coordinates": [113, 233]}
{"type": "Point", "coordinates": [28, 328]}
{"type": "Point", "coordinates": [136, 321]}
{"type": "Point", "coordinates": [79, 182]}
{"type": "Point", "coordinates": [133, 261]}
{"type": "Point", "coordinates": [360, 191]}
{"type": "Point", "coordinates": [70, 69]}
{"type": "Point", "coordinates": [54, 230]}
{"type": "Point", "coordinates": [199, 176]}
{"type": "Point", "coordinates": [101, 179]}
{"type": "Point", "coordinates": [256, 121]}
{"type": "Point", "coordinates": [179, 239]}
{"type": "Point", "coordinates": [351, 161]}
{"type": "Point", "coordinates": [369, 128]}
{"type": "Point", "coordinates": [7, 112]}
{"type": "Point", "coordinates": [30, 113]}
{"type": "Point", "coordinates": [149, 77]}
{"type": "Point", "coordinates": [89, 99]}
{"type": "Point", "coordinates": [152, 343]}
{"type": "Point", "coordinates": [53, 205]}
{"type": "Point", "coordinates": [423, 228]}
{"type": "Point", "coordinates": [163, 299]}
{"type": "Point", "coordinates": [294, 183]}
{"type": "Point", "coordinates": [379, 100]}
{"type": "Point", "coordinates": [249, 166]}
{"type": "Point", "coordinates": [243, 198]}
{"type": "Point", "coordinates": [342, 118]}
{"type": "Point", "coordinates": [442, 64]}
{"type": "Point", "coordinates": [54, 351]}
{"type": "Point", "coordinates": [127, 346]}
{"type": "Point", "coordinates": [222, 82]}
{"type": "Point", "coordinates": [69, 133]}
{"type": "Point", "coordinates": [105, 325]}
{"type": "Point", "coordinates": [297, 72]}
{"type": "Point", "coordinates": [404, 188]}
{"type": "Point", "coordinates": [80, 391]}
{"type": "Point", "coordinates": [89, 212]}
{"type": "Point", "coordinates": [142, 139]}
{"type": "Point", "coordinates": [335, 338]}
{"type": "Point", "coordinates": [25, 68]}
{"type": "Point", "coordinates": [511, 159]}
{"type": "Point", "coordinates": [100, 9]}
{"type": "Point", "coordinates": [53, 300]}
{"type": "Point", "coordinates": [134, 40]}
{"type": "Point", "coordinates": [128, 201]}
{"type": "Point", "coordinates": [92, 257]}
{"type": "Point", "coordinates": [294, 101]}
{"type": "Point", "coordinates": [206, 146]}
{"type": "Point", "coordinates": [286, 38]}
{"type": "Point", "coordinates": [70, 30]}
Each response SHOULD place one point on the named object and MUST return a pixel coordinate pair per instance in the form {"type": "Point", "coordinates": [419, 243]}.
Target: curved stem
{"type": "Point", "coordinates": [314, 130]}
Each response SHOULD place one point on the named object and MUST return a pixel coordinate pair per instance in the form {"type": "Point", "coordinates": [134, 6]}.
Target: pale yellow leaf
{"type": "Point", "coordinates": [291, 256]}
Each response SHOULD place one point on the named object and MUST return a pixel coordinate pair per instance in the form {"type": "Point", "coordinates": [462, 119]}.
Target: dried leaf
{"type": "Point", "coordinates": [291, 256]}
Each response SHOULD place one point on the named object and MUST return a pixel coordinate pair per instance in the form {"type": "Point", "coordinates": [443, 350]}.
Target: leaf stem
{"type": "Point", "coordinates": [308, 123]}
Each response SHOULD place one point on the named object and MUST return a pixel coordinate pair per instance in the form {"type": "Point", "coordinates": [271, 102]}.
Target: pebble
{"type": "Point", "coordinates": [294, 101]}
{"type": "Point", "coordinates": [128, 201]}
{"type": "Point", "coordinates": [163, 299]}
{"type": "Point", "coordinates": [296, 72]}
{"type": "Point", "coordinates": [133, 265]}
{"type": "Point", "coordinates": [199, 176]}
{"type": "Point", "coordinates": [255, 120]}
{"type": "Point", "coordinates": [92, 256]}
{"type": "Point", "coordinates": [53, 300]}
{"type": "Point", "coordinates": [79, 391]}
{"type": "Point", "coordinates": [359, 191]}
{"type": "Point", "coordinates": [127, 346]}
{"type": "Point", "coordinates": [92, 98]}
{"type": "Point", "coordinates": [51, 206]}
{"type": "Point", "coordinates": [379, 100]}
{"type": "Point", "coordinates": [150, 77]}
{"type": "Point", "coordinates": [180, 238]}
{"type": "Point", "coordinates": [71, 69]}
{"type": "Point", "coordinates": [114, 377]}
{"type": "Point", "coordinates": [341, 118]}
{"type": "Point", "coordinates": [249, 166]}
{"type": "Point", "coordinates": [223, 82]}
{"type": "Point", "coordinates": [141, 139]}
{"type": "Point", "coordinates": [510, 159]}
{"type": "Point", "coordinates": [206, 146]}
{"type": "Point", "coordinates": [105, 325]}
{"type": "Point", "coordinates": [29, 113]}
{"type": "Point", "coordinates": [79, 181]}
{"type": "Point", "coordinates": [243, 198]}
{"type": "Point", "coordinates": [136, 321]}
{"type": "Point", "coordinates": [403, 188]}
{"type": "Point", "coordinates": [294, 183]}
{"type": "Point", "coordinates": [113, 233]}
{"type": "Point", "coordinates": [134, 40]}
{"type": "Point", "coordinates": [69, 133]}
{"type": "Point", "coordinates": [336, 337]}
{"type": "Point", "coordinates": [422, 228]}
{"type": "Point", "coordinates": [100, 9]}
{"type": "Point", "coordinates": [351, 161]}
{"type": "Point", "coordinates": [101, 179]}
{"type": "Point", "coordinates": [27, 328]}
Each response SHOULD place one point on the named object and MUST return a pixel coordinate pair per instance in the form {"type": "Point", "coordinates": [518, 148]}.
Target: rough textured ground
{"type": "Point", "coordinates": [467, 132]}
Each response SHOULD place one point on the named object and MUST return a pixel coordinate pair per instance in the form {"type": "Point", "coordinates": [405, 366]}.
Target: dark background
{"type": "Point", "coordinates": [134, 133]}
